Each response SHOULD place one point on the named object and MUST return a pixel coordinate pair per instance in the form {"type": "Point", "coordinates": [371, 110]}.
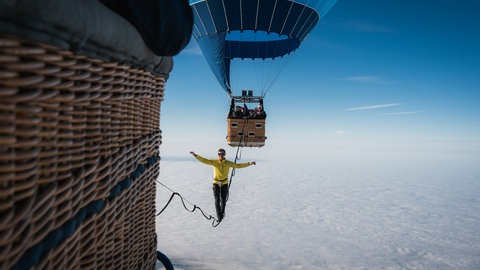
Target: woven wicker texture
{"type": "Point", "coordinates": [71, 129]}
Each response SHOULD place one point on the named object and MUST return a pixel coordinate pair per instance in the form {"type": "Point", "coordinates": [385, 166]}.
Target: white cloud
{"type": "Point", "coordinates": [371, 107]}
{"type": "Point", "coordinates": [364, 79]}
{"type": "Point", "coordinates": [300, 206]}
{"type": "Point", "coordinates": [371, 79]}
{"type": "Point", "coordinates": [404, 113]}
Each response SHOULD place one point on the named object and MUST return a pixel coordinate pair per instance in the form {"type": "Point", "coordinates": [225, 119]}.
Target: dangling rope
{"type": "Point", "coordinates": [215, 222]}
{"type": "Point", "coordinates": [164, 260]}
{"type": "Point", "coordinates": [237, 157]}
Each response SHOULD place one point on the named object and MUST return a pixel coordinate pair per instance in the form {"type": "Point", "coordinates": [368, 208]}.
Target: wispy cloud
{"type": "Point", "coordinates": [372, 107]}
{"type": "Point", "coordinates": [364, 79]}
{"type": "Point", "coordinates": [404, 113]}
{"type": "Point", "coordinates": [367, 79]}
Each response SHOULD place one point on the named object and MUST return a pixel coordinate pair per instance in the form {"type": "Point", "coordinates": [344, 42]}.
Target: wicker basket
{"type": "Point", "coordinates": [79, 142]}
{"type": "Point", "coordinates": [246, 132]}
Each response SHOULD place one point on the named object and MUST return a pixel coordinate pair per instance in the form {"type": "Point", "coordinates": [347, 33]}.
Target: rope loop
{"type": "Point", "coordinates": [215, 222]}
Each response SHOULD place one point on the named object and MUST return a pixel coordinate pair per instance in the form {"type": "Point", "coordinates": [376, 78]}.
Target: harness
{"type": "Point", "coordinates": [220, 182]}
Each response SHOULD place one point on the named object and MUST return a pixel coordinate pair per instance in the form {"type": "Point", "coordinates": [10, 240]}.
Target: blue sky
{"type": "Point", "coordinates": [397, 72]}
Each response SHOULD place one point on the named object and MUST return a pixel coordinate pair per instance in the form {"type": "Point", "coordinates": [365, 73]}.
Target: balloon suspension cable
{"type": "Point", "coordinates": [229, 91]}
{"type": "Point", "coordinates": [284, 63]}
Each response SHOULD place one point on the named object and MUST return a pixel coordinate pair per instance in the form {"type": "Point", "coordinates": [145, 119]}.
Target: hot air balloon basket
{"type": "Point", "coordinates": [79, 150]}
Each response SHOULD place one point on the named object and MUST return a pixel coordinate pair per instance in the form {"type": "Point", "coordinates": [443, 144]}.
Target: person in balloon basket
{"type": "Point", "coordinates": [237, 113]}
{"type": "Point", "coordinates": [221, 168]}
{"type": "Point", "coordinates": [259, 112]}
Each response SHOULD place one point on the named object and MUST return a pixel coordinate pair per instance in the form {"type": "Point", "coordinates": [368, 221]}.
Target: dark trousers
{"type": "Point", "coordinates": [220, 192]}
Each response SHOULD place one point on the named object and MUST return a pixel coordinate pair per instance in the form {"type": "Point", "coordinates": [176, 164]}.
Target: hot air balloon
{"type": "Point", "coordinates": [255, 35]}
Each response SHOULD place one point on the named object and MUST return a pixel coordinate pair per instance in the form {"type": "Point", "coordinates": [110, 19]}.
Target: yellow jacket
{"type": "Point", "coordinates": [221, 168]}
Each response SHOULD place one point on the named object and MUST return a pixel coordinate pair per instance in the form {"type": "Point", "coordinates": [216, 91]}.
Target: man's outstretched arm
{"type": "Point", "coordinates": [202, 159]}
{"type": "Point", "coordinates": [242, 165]}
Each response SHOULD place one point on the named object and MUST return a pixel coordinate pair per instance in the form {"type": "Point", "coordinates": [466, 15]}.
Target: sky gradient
{"type": "Point", "coordinates": [383, 73]}
{"type": "Point", "coordinates": [372, 155]}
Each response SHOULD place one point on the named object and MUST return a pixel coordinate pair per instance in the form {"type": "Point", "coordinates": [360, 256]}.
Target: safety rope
{"type": "Point", "coordinates": [164, 260]}
{"type": "Point", "coordinates": [237, 157]}
{"type": "Point", "coordinates": [215, 222]}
